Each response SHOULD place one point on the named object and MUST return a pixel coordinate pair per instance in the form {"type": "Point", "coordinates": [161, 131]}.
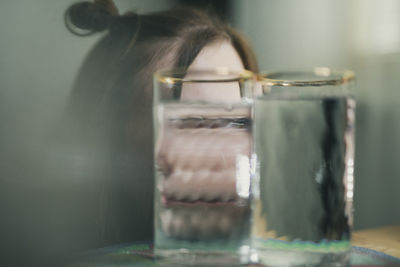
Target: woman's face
{"type": "Point", "coordinates": [218, 54]}
{"type": "Point", "coordinates": [215, 55]}
{"type": "Point", "coordinates": [198, 158]}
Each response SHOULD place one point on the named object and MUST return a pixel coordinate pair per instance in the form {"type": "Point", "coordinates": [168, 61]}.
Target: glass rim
{"type": "Point", "coordinates": [167, 75]}
{"type": "Point", "coordinates": [328, 77]}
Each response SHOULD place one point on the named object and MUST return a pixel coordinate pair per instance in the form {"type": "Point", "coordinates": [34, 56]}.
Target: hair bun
{"type": "Point", "coordinates": [90, 17]}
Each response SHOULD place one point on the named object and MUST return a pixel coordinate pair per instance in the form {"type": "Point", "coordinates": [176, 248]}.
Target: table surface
{"type": "Point", "coordinates": [383, 239]}
{"type": "Point", "coordinates": [371, 247]}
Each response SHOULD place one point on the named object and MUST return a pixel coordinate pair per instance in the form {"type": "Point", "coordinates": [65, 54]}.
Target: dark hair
{"type": "Point", "coordinates": [111, 98]}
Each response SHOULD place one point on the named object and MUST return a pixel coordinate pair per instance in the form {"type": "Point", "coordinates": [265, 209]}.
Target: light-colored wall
{"type": "Point", "coordinates": [42, 207]}
{"type": "Point", "coordinates": [359, 35]}
{"type": "Point", "coordinates": [39, 59]}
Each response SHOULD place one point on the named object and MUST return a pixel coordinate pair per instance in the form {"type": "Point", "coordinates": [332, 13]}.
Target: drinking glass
{"type": "Point", "coordinates": [303, 190]}
{"type": "Point", "coordinates": [203, 148]}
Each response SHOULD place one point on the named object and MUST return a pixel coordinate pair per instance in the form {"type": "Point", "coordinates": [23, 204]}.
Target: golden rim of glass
{"type": "Point", "coordinates": [323, 76]}
{"type": "Point", "coordinates": [177, 75]}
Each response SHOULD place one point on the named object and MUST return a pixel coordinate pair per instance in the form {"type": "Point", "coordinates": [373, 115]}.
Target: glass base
{"type": "Point", "coordinates": [185, 257]}
{"type": "Point", "coordinates": [289, 258]}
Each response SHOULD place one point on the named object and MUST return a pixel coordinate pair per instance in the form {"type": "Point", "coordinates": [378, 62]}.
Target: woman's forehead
{"type": "Point", "coordinates": [218, 54]}
{"type": "Point", "coordinates": [214, 55]}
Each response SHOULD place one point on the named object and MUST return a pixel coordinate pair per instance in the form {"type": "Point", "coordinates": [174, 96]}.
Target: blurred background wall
{"type": "Point", "coordinates": [360, 35]}
{"type": "Point", "coordinates": [43, 218]}
{"type": "Point", "coordinates": [39, 60]}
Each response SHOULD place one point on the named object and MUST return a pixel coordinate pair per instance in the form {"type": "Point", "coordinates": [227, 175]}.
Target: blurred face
{"type": "Point", "coordinates": [218, 54]}
{"type": "Point", "coordinates": [199, 159]}
{"type": "Point", "coordinates": [215, 55]}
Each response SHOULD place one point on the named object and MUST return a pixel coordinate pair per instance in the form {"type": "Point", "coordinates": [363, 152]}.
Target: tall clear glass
{"type": "Point", "coordinates": [203, 148]}
{"type": "Point", "coordinates": [303, 192]}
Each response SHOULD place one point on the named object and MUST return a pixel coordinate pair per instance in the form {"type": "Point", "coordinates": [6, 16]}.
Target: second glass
{"type": "Point", "coordinates": [203, 148]}
{"type": "Point", "coordinates": [304, 131]}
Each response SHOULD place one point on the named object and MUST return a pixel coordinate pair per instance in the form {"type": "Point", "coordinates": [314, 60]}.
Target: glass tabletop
{"type": "Point", "coordinates": [141, 254]}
